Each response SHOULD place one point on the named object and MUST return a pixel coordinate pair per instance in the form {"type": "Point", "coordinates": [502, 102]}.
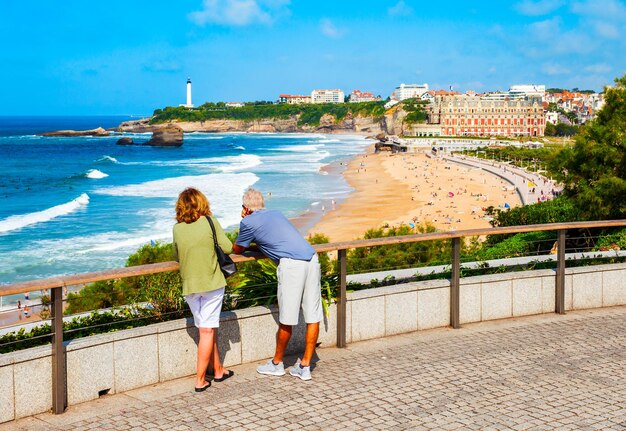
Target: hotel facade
{"type": "Point", "coordinates": [472, 115]}
{"type": "Point", "coordinates": [327, 96]}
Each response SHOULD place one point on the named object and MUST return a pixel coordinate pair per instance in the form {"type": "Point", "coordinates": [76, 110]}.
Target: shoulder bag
{"type": "Point", "coordinates": [226, 264]}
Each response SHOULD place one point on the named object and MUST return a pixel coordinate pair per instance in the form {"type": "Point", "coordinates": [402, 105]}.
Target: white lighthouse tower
{"type": "Point", "coordinates": [189, 104]}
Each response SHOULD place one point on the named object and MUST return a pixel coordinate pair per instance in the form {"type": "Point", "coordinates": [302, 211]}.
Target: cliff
{"type": "Point", "coordinates": [368, 126]}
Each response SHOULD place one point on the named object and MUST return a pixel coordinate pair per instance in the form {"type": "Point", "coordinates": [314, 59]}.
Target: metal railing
{"type": "Point", "coordinates": [57, 284]}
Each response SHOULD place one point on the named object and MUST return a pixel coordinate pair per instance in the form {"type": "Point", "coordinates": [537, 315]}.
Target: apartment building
{"type": "Point", "coordinates": [409, 91]}
{"type": "Point", "coordinates": [293, 99]}
{"type": "Point", "coordinates": [327, 96]}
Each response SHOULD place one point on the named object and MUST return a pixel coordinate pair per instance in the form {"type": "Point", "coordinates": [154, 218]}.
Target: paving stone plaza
{"type": "Point", "coordinates": [544, 372]}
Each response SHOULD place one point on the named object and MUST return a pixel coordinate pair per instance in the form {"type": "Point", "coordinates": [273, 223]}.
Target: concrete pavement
{"type": "Point", "coordinates": [545, 372]}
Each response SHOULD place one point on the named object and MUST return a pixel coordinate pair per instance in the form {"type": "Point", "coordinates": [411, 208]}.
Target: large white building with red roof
{"type": "Point", "coordinates": [362, 96]}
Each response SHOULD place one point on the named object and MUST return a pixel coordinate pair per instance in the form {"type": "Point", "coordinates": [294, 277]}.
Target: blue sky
{"type": "Point", "coordinates": [112, 57]}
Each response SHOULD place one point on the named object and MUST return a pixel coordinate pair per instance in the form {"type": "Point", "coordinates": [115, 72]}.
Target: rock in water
{"type": "Point", "coordinates": [168, 136]}
{"type": "Point", "coordinates": [93, 132]}
{"type": "Point", "coordinates": [125, 141]}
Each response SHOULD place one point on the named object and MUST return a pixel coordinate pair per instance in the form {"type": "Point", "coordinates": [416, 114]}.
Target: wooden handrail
{"type": "Point", "coordinates": [133, 271]}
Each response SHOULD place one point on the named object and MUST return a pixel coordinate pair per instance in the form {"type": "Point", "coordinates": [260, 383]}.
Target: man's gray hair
{"type": "Point", "coordinates": [253, 200]}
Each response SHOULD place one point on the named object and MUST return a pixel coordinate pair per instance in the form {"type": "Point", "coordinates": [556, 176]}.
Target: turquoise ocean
{"type": "Point", "coordinates": [70, 205]}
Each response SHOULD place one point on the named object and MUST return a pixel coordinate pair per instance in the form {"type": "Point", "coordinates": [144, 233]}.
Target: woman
{"type": "Point", "coordinates": [203, 282]}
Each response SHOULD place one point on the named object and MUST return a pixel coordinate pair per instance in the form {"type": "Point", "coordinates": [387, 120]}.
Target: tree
{"type": "Point", "coordinates": [593, 171]}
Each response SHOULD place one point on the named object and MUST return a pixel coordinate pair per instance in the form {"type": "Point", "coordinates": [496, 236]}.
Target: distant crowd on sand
{"type": "Point", "coordinates": [413, 189]}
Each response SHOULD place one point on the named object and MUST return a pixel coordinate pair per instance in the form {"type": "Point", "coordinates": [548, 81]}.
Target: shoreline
{"type": "Point", "coordinates": [308, 219]}
{"type": "Point", "coordinates": [391, 190]}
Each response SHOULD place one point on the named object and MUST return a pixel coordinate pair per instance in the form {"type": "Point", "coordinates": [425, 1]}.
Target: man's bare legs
{"type": "Point", "coordinates": [282, 339]}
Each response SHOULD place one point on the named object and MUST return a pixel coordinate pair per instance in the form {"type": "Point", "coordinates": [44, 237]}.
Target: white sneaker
{"type": "Point", "coordinates": [271, 369]}
{"type": "Point", "coordinates": [304, 373]}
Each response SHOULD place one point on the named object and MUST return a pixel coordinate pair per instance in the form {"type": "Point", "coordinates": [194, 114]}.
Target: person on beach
{"type": "Point", "coordinates": [203, 281]}
{"type": "Point", "coordinates": [298, 274]}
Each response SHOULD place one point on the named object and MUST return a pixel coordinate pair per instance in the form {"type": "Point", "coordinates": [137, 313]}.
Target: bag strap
{"type": "Point", "coordinates": [215, 244]}
{"type": "Point", "coordinates": [213, 229]}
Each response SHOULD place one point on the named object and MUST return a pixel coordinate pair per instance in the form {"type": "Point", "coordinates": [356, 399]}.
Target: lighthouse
{"type": "Point", "coordinates": [189, 104]}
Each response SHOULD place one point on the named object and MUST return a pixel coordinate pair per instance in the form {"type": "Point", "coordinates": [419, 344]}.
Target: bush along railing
{"type": "Point", "coordinates": [334, 286]}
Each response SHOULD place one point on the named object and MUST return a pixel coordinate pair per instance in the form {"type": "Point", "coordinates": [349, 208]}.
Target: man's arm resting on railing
{"type": "Point", "coordinates": [238, 249]}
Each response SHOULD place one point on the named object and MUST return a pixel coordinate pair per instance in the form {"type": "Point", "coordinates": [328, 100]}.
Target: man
{"type": "Point", "coordinates": [298, 278]}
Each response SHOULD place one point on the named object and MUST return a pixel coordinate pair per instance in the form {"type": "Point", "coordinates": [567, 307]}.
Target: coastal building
{"type": "Point", "coordinates": [293, 99]}
{"type": "Point", "coordinates": [425, 130]}
{"type": "Point", "coordinates": [409, 91]}
{"type": "Point", "coordinates": [188, 104]}
{"type": "Point", "coordinates": [584, 104]}
{"type": "Point", "coordinates": [552, 117]}
{"type": "Point", "coordinates": [327, 96]}
{"type": "Point", "coordinates": [391, 103]}
{"type": "Point", "coordinates": [234, 104]}
{"type": "Point", "coordinates": [527, 90]}
{"type": "Point", "coordinates": [362, 96]}
{"type": "Point", "coordinates": [463, 115]}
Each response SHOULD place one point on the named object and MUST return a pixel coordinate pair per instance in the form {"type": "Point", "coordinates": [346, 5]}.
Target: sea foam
{"type": "Point", "coordinates": [171, 187]}
{"type": "Point", "coordinates": [95, 174]}
{"type": "Point", "coordinates": [20, 221]}
{"type": "Point", "coordinates": [107, 159]}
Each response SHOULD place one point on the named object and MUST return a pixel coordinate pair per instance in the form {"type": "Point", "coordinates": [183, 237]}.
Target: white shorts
{"type": "Point", "coordinates": [206, 308]}
{"type": "Point", "coordinates": [299, 286]}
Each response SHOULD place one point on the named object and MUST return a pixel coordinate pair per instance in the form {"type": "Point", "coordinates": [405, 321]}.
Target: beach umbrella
{"type": "Point", "coordinates": [507, 206]}
{"type": "Point", "coordinates": [450, 194]}
{"type": "Point", "coordinates": [531, 184]}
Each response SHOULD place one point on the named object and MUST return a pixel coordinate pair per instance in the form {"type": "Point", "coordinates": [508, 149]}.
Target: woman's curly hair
{"type": "Point", "coordinates": [191, 205]}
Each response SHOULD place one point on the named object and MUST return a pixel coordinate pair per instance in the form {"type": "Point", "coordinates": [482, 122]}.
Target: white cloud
{"type": "Point", "coordinates": [238, 12]}
{"type": "Point", "coordinates": [540, 7]}
{"type": "Point", "coordinates": [400, 9]}
{"type": "Point", "coordinates": [606, 17]}
{"type": "Point", "coordinates": [606, 30]}
{"type": "Point", "coordinates": [328, 28]}
{"type": "Point", "coordinates": [547, 38]}
{"type": "Point", "coordinates": [547, 29]}
{"type": "Point", "coordinates": [598, 68]}
{"type": "Point", "coordinates": [555, 69]}
{"type": "Point", "coordinates": [612, 9]}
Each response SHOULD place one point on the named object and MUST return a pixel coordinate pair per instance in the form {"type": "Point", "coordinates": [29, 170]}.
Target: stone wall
{"type": "Point", "coordinates": [124, 360]}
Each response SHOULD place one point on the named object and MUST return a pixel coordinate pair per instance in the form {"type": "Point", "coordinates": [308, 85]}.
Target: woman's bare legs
{"type": "Point", "coordinates": [218, 368]}
{"type": "Point", "coordinates": [206, 345]}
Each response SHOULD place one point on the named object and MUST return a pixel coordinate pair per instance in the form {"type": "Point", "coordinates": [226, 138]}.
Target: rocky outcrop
{"type": "Point", "coordinates": [71, 133]}
{"type": "Point", "coordinates": [328, 124]}
{"type": "Point", "coordinates": [125, 141]}
{"type": "Point", "coordinates": [167, 136]}
{"type": "Point", "coordinates": [136, 126]}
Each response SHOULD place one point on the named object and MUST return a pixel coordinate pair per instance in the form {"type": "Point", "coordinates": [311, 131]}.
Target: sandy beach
{"type": "Point", "coordinates": [413, 189]}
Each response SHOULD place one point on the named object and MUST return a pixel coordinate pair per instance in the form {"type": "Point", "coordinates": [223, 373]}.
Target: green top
{"type": "Point", "coordinates": [193, 248]}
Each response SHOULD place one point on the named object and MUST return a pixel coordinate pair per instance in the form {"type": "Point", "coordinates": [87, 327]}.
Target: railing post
{"type": "Point", "coordinates": [455, 284]}
{"type": "Point", "coordinates": [59, 376]}
{"type": "Point", "coordinates": [341, 300]}
{"type": "Point", "coordinates": [560, 274]}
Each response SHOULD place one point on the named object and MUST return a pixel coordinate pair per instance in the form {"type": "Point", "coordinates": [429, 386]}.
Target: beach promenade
{"type": "Point", "coordinates": [530, 186]}
{"type": "Point", "coordinates": [549, 372]}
